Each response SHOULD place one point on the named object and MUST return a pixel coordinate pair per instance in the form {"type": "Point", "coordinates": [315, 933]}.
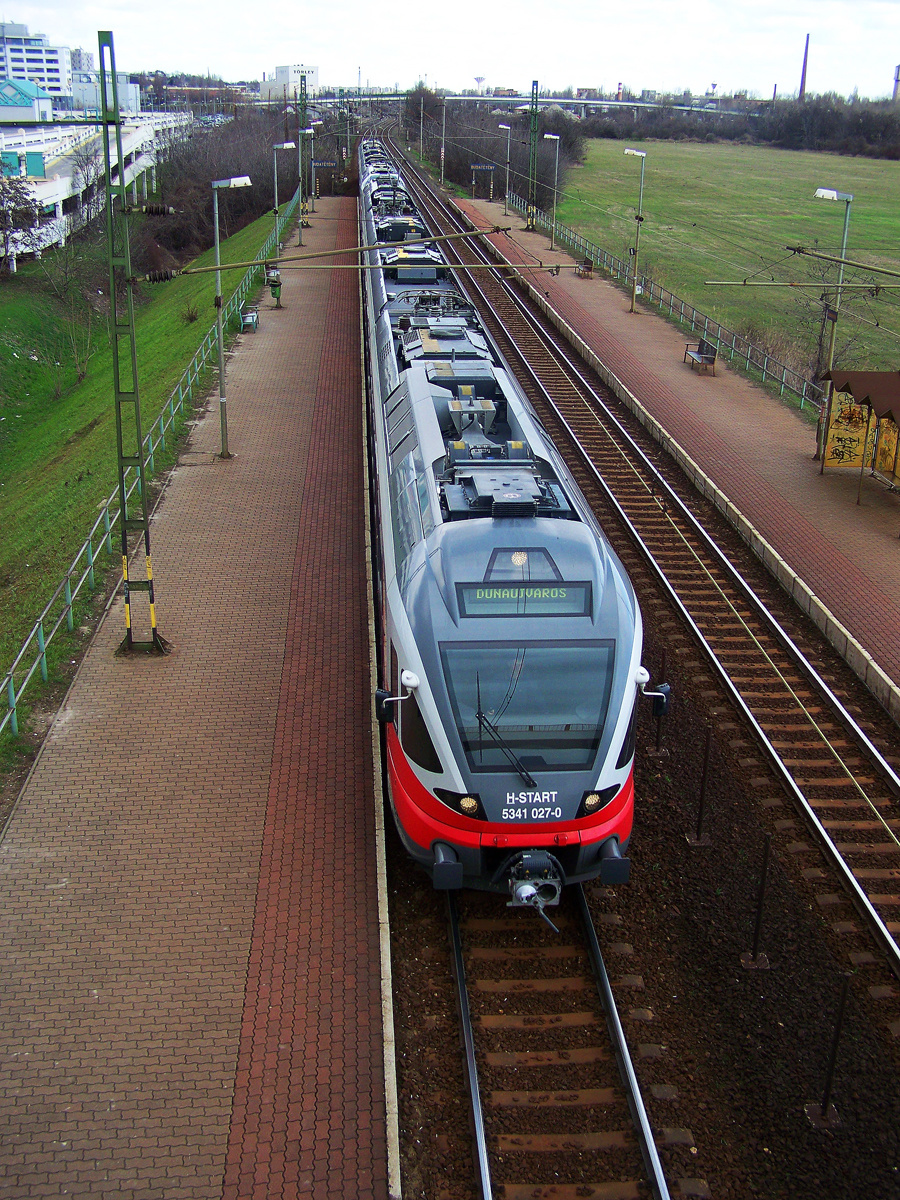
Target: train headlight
{"type": "Point", "coordinates": [592, 802]}
{"type": "Point", "coordinates": [466, 803]}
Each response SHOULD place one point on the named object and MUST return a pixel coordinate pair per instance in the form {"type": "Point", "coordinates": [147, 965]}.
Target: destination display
{"type": "Point", "coordinates": [524, 599]}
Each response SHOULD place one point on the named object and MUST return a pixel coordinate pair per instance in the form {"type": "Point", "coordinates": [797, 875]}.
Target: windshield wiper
{"type": "Point", "coordinates": [484, 723]}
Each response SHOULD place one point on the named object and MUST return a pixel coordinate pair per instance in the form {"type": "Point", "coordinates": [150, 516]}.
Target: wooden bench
{"type": "Point", "coordinates": [701, 354]}
{"type": "Point", "coordinates": [585, 269]}
{"type": "Point", "coordinates": [249, 320]}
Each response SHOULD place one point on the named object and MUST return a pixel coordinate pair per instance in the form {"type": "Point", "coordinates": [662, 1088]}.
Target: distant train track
{"type": "Point", "coordinates": [839, 775]}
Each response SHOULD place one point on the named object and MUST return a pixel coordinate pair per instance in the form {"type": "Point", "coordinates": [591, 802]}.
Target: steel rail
{"type": "Point", "coordinates": [861, 902]}
{"type": "Point", "coordinates": [653, 1166]}
{"type": "Point", "coordinates": [482, 1166]}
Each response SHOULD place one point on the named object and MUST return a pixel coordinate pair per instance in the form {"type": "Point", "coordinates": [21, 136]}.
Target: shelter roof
{"type": "Point", "coordinates": [880, 390]}
{"type": "Point", "coordinates": [16, 93]}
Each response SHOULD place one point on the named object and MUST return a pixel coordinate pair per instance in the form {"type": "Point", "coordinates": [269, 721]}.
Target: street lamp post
{"type": "Point", "coordinates": [506, 193]}
{"type": "Point", "coordinates": [275, 149]}
{"type": "Point", "coordinates": [554, 137]}
{"type": "Point", "coordinates": [831, 194]}
{"type": "Point", "coordinates": [302, 133]}
{"type": "Point", "coordinates": [639, 219]}
{"type": "Point", "coordinates": [239, 181]}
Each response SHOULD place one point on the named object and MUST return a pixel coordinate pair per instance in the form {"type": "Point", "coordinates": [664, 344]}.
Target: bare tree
{"type": "Point", "coordinates": [87, 167]}
{"type": "Point", "coordinates": [19, 218]}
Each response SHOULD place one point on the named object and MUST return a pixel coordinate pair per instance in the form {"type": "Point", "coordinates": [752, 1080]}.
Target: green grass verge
{"type": "Point", "coordinates": [727, 212]}
{"type": "Point", "coordinates": [58, 453]}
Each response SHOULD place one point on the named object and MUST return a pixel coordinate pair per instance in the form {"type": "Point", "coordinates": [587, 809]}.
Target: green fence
{"type": "Point", "coordinates": [58, 612]}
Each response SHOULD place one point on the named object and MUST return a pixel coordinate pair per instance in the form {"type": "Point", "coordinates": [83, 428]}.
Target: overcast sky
{"type": "Point", "coordinates": [656, 44]}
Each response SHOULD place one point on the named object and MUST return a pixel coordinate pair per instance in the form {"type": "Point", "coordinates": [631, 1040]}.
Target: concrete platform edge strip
{"type": "Point", "coordinates": [855, 655]}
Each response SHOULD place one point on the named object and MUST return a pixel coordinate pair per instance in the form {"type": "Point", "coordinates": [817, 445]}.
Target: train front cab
{"type": "Point", "coordinates": [461, 851]}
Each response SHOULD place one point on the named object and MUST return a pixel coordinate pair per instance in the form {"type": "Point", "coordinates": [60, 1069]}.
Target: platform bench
{"type": "Point", "coordinates": [701, 354]}
{"type": "Point", "coordinates": [585, 269]}
{"type": "Point", "coordinates": [249, 319]}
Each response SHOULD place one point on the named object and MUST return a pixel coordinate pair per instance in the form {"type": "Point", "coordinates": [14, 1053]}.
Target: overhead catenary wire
{"type": "Point", "coordinates": [311, 254]}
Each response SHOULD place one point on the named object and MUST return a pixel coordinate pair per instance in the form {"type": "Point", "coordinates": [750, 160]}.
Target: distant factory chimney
{"type": "Point", "coordinates": [803, 73]}
{"type": "Point", "coordinates": [896, 83]}
{"type": "Point", "coordinates": [619, 92]}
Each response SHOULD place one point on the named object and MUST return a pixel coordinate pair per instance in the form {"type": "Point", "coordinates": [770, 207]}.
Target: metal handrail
{"type": "Point", "coordinates": [728, 342]}
{"type": "Point", "coordinates": [81, 570]}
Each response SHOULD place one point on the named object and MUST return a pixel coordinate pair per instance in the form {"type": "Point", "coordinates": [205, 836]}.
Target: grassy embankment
{"type": "Point", "coordinates": [725, 212]}
{"type": "Point", "coordinates": [58, 452]}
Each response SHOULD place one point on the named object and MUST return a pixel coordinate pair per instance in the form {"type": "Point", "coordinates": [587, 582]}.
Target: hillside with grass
{"type": "Point", "coordinates": [57, 434]}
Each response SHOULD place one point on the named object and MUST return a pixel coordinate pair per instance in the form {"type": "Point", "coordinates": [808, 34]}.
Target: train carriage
{"type": "Point", "coordinates": [511, 635]}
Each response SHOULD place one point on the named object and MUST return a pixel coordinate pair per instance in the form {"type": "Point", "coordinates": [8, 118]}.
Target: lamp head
{"type": "Point", "coordinates": [637, 153]}
{"type": "Point", "coordinates": [285, 146]}
{"type": "Point", "coordinates": [551, 137]}
{"type": "Point", "coordinates": [831, 194]}
{"type": "Point", "coordinates": [237, 181]}
{"type": "Point", "coordinates": [506, 127]}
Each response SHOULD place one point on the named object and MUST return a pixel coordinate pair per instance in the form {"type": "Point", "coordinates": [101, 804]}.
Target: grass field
{"type": "Point", "coordinates": [727, 212]}
{"type": "Point", "coordinates": [58, 452]}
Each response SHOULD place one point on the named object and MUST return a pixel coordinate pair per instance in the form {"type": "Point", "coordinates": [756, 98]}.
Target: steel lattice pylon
{"type": "Point", "coordinates": [129, 435]}
{"type": "Point", "coordinates": [530, 215]}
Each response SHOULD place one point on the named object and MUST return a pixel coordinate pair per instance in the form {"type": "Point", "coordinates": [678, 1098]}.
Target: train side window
{"type": "Point", "coordinates": [415, 738]}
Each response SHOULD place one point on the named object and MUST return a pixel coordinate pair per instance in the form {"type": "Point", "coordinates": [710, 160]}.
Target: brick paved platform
{"type": "Point", "coordinates": [188, 914]}
{"type": "Point", "coordinates": [756, 449]}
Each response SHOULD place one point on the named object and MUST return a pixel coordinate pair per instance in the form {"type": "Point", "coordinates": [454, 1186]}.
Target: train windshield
{"type": "Point", "coordinates": [529, 706]}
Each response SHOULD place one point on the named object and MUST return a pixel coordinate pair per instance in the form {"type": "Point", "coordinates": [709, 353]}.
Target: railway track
{"type": "Point", "coordinates": [841, 777]}
{"type": "Point", "coordinates": [557, 1111]}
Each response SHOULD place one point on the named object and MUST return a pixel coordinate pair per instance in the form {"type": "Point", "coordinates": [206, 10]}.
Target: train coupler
{"type": "Point", "coordinates": [535, 880]}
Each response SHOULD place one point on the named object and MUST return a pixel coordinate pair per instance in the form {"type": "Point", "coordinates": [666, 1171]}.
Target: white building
{"type": "Point", "coordinates": [82, 60]}
{"type": "Point", "coordinates": [30, 57]}
{"type": "Point", "coordinates": [21, 100]}
{"type": "Point", "coordinates": [86, 92]}
{"type": "Point", "coordinates": [287, 81]}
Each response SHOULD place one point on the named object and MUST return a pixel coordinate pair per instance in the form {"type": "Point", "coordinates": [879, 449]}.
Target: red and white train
{"type": "Point", "coordinates": [511, 636]}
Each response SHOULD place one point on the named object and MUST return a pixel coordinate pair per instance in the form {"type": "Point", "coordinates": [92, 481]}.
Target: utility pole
{"type": "Point", "coordinates": [532, 160]}
{"type": "Point", "coordinates": [129, 435]}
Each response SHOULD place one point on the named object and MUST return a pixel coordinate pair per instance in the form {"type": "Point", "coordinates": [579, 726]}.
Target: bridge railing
{"type": "Point", "coordinates": [58, 612]}
{"type": "Point", "coordinates": [752, 358]}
